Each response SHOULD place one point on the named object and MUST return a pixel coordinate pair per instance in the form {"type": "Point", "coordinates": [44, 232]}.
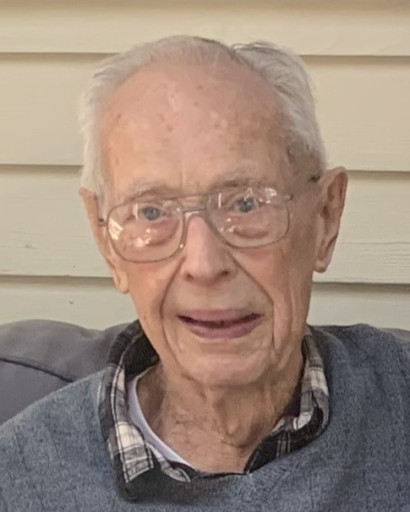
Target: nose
{"type": "Point", "coordinates": [207, 259]}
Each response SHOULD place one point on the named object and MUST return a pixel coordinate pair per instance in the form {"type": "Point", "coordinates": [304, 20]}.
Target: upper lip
{"type": "Point", "coordinates": [217, 315]}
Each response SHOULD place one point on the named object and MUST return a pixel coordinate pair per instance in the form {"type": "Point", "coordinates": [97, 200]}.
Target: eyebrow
{"type": "Point", "coordinates": [149, 188]}
{"type": "Point", "coordinates": [238, 176]}
{"type": "Point", "coordinates": [232, 181]}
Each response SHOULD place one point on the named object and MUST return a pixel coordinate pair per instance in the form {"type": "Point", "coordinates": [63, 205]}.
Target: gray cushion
{"type": "Point", "coordinates": [40, 356]}
{"type": "Point", "coordinates": [399, 333]}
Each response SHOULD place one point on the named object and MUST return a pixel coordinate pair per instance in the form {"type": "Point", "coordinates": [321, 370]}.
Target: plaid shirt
{"type": "Point", "coordinates": [132, 455]}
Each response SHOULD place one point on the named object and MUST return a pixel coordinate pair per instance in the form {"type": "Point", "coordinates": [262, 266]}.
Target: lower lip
{"type": "Point", "coordinates": [229, 332]}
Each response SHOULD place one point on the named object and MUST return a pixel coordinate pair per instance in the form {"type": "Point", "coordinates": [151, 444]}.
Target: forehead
{"type": "Point", "coordinates": [185, 125]}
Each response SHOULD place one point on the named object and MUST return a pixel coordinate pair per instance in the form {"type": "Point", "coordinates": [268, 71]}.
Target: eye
{"type": "Point", "coordinates": [148, 212]}
{"type": "Point", "coordinates": [246, 204]}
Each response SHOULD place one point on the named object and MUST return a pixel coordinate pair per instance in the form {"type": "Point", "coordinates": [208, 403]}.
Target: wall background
{"type": "Point", "coordinates": [358, 54]}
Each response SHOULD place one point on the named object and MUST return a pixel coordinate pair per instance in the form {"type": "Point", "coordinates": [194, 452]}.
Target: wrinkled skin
{"type": "Point", "coordinates": [184, 129]}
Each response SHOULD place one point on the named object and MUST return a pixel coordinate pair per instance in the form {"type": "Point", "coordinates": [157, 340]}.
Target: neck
{"type": "Point", "coordinates": [216, 429]}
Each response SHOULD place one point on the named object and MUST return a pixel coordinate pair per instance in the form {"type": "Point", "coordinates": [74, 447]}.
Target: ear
{"type": "Point", "coordinates": [333, 185]}
{"type": "Point", "coordinates": [114, 263]}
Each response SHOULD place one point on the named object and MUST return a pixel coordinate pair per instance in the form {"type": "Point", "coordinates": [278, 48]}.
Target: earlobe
{"type": "Point", "coordinates": [91, 206]}
{"type": "Point", "coordinates": [119, 277]}
{"type": "Point", "coordinates": [333, 192]}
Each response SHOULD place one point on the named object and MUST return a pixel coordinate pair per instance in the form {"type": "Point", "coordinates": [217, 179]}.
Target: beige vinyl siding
{"type": "Point", "coordinates": [358, 54]}
{"type": "Point", "coordinates": [363, 106]}
{"type": "Point", "coordinates": [46, 229]}
{"type": "Point", "coordinates": [310, 27]}
{"type": "Point", "coordinates": [94, 302]}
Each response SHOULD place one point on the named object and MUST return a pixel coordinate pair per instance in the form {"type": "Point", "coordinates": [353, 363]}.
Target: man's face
{"type": "Point", "coordinates": [215, 314]}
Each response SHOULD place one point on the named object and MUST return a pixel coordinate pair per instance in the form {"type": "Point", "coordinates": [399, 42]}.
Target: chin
{"type": "Point", "coordinates": [227, 371]}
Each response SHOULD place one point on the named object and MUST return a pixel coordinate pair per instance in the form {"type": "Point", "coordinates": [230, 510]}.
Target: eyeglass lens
{"type": "Point", "coordinates": [150, 230]}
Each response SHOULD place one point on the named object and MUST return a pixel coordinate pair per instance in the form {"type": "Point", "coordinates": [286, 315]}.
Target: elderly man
{"type": "Point", "coordinates": [205, 185]}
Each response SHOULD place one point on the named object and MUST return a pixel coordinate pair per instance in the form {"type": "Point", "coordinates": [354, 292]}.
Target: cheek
{"type": "Point", "coordinates": [148, 285]}
{"type": "Point", "coordinates": [284, 272]}
{"type": "Point", "coordinates": [275, 268]}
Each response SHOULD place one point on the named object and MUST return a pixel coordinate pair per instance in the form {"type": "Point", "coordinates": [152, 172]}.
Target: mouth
{"type": "Point", "coordinates": [220, 323]}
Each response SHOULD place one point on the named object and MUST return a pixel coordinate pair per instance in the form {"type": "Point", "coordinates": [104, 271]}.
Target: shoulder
{"type": "Point", "coordinates": [73, 404]}
{"type": "Point", "coordinates": [361, 346]}
{"type": "Point", "coordinates": [38, 357]}
{"type": "Point", "coordinates": [363, 337]}
{"type": "Point", "coordinates": [35, 444]}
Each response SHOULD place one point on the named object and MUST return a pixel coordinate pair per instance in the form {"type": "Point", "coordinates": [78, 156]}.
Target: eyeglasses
{"type": "Point", "coordinates": [148, 229]}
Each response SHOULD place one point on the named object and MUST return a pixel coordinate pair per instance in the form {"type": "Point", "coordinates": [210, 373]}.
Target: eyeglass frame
{"type": "Point", "coordinates": [103, 222]}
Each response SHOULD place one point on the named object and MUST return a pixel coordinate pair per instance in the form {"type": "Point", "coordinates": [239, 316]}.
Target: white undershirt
{"type": "Point", "coordinates": [138, 418]}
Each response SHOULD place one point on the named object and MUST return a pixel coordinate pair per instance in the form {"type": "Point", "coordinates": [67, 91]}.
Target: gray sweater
{"type": "Point", "coordinates": [53, 458]}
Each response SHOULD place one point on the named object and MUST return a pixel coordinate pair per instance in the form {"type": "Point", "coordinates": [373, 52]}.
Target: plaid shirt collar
{"type": "Point", "coordinates": [132, 456]}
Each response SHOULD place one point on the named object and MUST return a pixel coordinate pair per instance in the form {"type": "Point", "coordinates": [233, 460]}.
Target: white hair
{"type": "Point", "coordinates": [281, 68]}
